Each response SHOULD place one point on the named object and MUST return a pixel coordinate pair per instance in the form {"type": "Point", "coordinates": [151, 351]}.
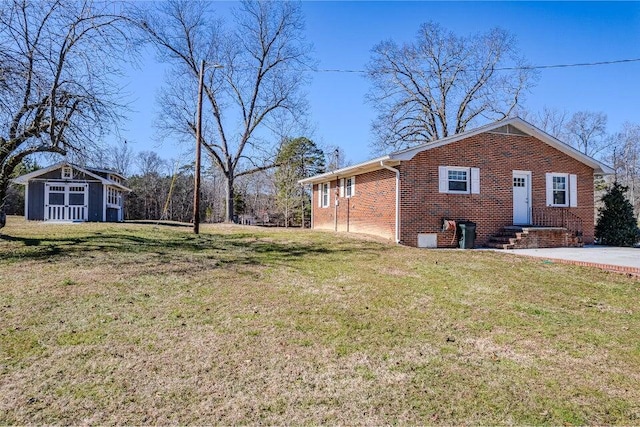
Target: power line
{"type": "Point", "coordinates": [580, 64]}
{"type": "Point", "coordinates": [532, 67]}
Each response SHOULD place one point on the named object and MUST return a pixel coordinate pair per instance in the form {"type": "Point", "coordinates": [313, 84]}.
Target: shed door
{"type": "Point", "coordinates": [66, 202]}
{"type": "Point", "coordinates": [521, 198]}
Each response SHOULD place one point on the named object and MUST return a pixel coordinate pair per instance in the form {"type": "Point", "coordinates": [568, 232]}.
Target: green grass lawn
{"type": "Point", "coordinates": [144, 324]}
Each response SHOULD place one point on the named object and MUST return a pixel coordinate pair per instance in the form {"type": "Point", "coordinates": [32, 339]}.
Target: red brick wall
{"type": "Point", "coordinates": [370, 210]}
{"type": "Point", "coordinates": [497, 155]}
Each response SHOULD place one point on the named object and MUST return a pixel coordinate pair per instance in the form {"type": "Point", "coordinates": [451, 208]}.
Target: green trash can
{"type": "Point", "coordinates": [467, 234]}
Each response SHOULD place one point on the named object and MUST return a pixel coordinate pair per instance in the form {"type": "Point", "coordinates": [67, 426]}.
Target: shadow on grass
{"type": "Point", "coordinates": [26, 241]}
{"type": "Point", "coordinates": [225, 249]}
{"type": "Point", "coordinates": [160, 222]}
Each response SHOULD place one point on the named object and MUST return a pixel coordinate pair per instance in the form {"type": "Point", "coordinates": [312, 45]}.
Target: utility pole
{"type": "Point", "coordinates": [196, 184]}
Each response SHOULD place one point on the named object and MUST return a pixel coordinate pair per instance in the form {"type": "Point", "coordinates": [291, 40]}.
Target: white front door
{"type": "Point", "coordinates": [521, 197]}
{"type": "Point", "coordinates": [66, 202]}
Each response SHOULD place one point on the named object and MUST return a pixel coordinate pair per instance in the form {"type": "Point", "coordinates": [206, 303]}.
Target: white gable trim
{"type": "Point", "coordinates": [33, 175]}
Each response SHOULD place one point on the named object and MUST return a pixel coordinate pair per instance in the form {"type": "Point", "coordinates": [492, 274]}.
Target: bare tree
{"type": "Point", "coordinates": [121, 158]}
{"type": "Point", "coordinates": [150, 163]}
{"type": "Point", "coordinates": [626, 161]}
{"type": "Point", "coordinates": [442, 82]}
{"type": "Point", "coordinates": [587, 132]}
{"type": "Point", "coordinates": [550, 120]}
{"type": "Point", "coordinates": [213, 197]}
{"type": "Point", "coordinates": [335, 157]}
{"type": "Point", "coordinates": [57, 60]}
{"type": "Point", "coordinates": [254, 88]}
{"type": "Point", "coordinates": [151, 187]}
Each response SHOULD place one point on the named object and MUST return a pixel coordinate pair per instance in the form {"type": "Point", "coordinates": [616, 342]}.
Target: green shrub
{"type": "Point", "coordinates": [616, 226]}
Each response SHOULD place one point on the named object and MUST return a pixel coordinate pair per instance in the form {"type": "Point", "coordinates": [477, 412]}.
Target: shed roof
{"type": "Point", "coordinates": [23, 179]}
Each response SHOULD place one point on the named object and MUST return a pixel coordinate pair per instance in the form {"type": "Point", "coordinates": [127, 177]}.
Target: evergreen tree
{"type": "Point", "coordinates": [617, 226]}
{"type": "Point", "coordinates": [298, 158]}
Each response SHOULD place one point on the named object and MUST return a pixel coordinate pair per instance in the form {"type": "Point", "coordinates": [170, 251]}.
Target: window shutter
{"type": "Point", "coordinates": [319, 195]}
{"type": "Point", "coordinates": [442, 179]}
{"type": "Point", "coordinates": [353, 186]}
{"type": "Point", "coordinates": [549, 178]}
{"type": "Point", "coordinates": [573, 190]}
{"type": "Point", "coordinates": [341, 187]}
{"type": "Point", "coordinates": [475, 181]}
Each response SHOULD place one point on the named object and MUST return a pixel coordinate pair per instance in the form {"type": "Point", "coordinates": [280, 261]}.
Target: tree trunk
{"type": "Point", "coordinates": [4, 186]}
{"type": "Point", "coordinates": [230, 196]}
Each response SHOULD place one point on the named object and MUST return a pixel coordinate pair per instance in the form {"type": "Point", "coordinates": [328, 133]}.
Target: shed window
{"type": "Point", "coordinates": [114, 197]}
{"type": "Point", "coordinates": [67, 173]}
{"type": "Point", "coordinates": [76, 198]}
{"type": "Point", "coordinates": [56, 198]}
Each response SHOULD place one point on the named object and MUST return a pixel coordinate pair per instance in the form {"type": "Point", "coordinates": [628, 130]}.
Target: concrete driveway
{"type": "Point", "coordinates": [624, 260]}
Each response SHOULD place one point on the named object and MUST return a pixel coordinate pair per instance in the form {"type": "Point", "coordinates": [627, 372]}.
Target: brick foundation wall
{"type": "Point", "coordinates": [371, 210]}
{"type": "Point", "coordinates": [546, 238]}
{"type": "Point", "coordinates": [497, 155]}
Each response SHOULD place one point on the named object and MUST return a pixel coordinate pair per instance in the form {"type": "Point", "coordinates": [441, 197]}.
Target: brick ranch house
{"type": "Point", "coordinates": [521, 186]}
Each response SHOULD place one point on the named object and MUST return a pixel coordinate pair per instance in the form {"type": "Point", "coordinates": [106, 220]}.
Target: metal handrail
{"type": "Point", "coordinates": [557, 217]}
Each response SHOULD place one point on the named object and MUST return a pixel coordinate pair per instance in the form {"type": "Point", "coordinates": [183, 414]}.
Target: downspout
{"type": "Point", "coordinates": [397, 172]}
{"type": "Point", "coordinates": [335, 204]}
{"type": "Point", "coordinates": [312, 211]}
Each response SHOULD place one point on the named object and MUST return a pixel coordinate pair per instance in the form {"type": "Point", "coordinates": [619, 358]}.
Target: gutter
{"type": "Point", "coordinates": [397, 172]}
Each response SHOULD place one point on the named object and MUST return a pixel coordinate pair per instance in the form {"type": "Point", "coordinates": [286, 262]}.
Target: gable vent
{"type": "Point", "coordinates": [508, 130]}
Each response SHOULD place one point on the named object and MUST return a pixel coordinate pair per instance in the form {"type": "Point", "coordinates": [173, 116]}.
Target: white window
{"type": "Point", "coordinates": [562, 189]}
{"type": "Point", "coordinates": [67, 173]}
{"type": "Point", "coordinates": [114, 197]}
{"type": "Point", "coordinates": [350, 187]}
{"type": "Point", "coordinates": [559, 191]}
{"type": "Point", "coordinates": [324, 195]}
{"type": "Point", "coordinates": [459, 180]}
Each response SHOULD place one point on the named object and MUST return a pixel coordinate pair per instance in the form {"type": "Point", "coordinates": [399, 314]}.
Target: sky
{"type": "Point", "coordinates": [343, 34]}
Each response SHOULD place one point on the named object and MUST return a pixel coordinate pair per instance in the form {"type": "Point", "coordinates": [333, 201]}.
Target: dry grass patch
{"type": "Point", "coordinates": [144, 324]}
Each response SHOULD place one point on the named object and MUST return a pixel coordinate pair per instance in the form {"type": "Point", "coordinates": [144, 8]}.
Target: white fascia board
{"type": "Point", "coordinates": [115, 184]}
{"type": "Point", "coordinates": [598, 167]}
{"type": "Point", "coordinates": [27, 177]}
{"type": "Point", "coordinates": [347, 172]}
